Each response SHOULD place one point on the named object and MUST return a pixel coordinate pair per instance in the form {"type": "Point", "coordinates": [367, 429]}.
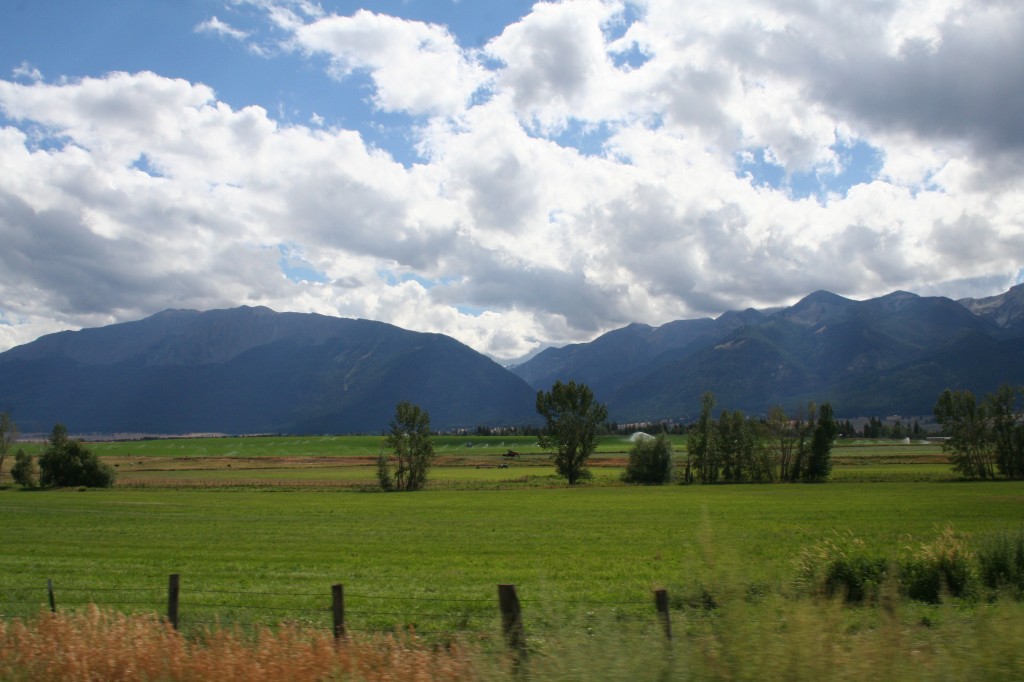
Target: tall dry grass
{"type": "Point", "coordinates": [774, 639]}
{"type": "Point", "coordinates": [99, 645]}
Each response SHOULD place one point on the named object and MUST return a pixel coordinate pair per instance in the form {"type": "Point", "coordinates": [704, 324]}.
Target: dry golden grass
{"type": "Point", "coordinates": [99, 645]}
{"type": "Point", "coordinates": [777, 640]}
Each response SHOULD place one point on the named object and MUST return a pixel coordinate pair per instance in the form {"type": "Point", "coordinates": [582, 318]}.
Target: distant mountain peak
{"type": "Point", "coordinates": [1006, 310]}
{"type": "Point", "coordinates": [898, 295]}
{"type": "Point", "coordinates": [892, 354]}
{"type": "Point", "coordinates": [816, 308]}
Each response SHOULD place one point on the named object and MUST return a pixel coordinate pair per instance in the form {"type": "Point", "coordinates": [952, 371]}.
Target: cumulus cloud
{"type": "Point", "coordinates": [417, 68]}
{"type": "Point", "coordinates": [595, 164]}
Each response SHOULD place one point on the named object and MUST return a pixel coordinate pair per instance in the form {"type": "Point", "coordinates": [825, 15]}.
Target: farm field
{"type": "Point", "coordinates": [332, 462]}
{"type": "Point", "coordinates": [567, 550]}
{"type": "Point", "coordinates": [260, 528]}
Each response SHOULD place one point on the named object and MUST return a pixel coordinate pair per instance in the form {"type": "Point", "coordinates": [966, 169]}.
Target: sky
{"type": "Point", "coordinates": [515, 175]}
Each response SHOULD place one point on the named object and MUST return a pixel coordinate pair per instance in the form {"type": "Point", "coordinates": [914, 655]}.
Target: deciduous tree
{"type": "Point", "coordinates": [24, 472]}
{"type": "Point", "coordinates": [1007, 431]}
{"type": "Point", "coordinates": [8, 434]}
{"type": "Point", "coordinates": [411, 447]}
{"type": "Point", "coordinates": [819, 460]}
{"type": "Point", "coordinates": [965, 422]}
{"type": "Point", "coordinates": [700, 445]}
{"type": "Point", "coordinates": [650, 461]}
{"type": "Point", "coordinates": [572, 418]}
{"type": "Point", "coordinates": [67, 462]}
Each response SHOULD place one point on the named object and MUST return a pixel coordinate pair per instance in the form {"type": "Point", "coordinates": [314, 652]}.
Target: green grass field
{"type": "Point", "coordinates": [260, 528]}
{"type": "Point", "coordinates": [432, 559]}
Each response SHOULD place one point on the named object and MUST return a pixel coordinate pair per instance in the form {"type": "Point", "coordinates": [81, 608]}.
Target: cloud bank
{"type": "Point", "coordinates": [597, 163]}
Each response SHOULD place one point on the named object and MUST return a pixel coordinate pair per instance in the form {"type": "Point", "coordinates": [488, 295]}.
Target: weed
{"type": "Point", "coordinates": [943, 566]}
{"type": "Point", "coordinates": [841, 566]}
{"type": "Point", "coordinates": [1001, 562]}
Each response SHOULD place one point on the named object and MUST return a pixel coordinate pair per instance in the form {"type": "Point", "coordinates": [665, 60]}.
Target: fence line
{"type": "Point", "coordinates": [510, 607]}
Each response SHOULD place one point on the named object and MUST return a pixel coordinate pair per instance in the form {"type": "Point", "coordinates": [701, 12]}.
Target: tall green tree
{"type": "Point", "coordinates": [783, 443]}
{"type": "Point", "coordinates": [572, 418]}
{"type": "Point", "coordinates": [1007, 430]}
{"type": "Point", "coordinates": [701, 445]}
{"type": "Point", "coordinates": [411, 447]}
{"type": "Point", "coordinates": [965, 422]}
{"type": "Point", "coordinates": [742, 452]}
{"type": "Point", "coordinates": [8, 434]}
{"type": "Point", "coordinates": [819, 459]}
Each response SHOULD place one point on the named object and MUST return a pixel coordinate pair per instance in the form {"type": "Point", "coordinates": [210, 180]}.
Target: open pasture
{"type": "Point", "coordinates": [432, 559]}
{"type": "Point", "coordinates": [331, 462]}
{"type": "Point", "coordinates": [260, 528]}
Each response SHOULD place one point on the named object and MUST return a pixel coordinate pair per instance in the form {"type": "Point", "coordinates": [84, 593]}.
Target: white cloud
{"type": "Point", "coordinates": [417, 68]}
{"type": "Point", "coordinates": [217, 27]}
{"type": "Point", "coordinates": [124, 194]}
{"type": "Point", "coordinates": [26, 71]}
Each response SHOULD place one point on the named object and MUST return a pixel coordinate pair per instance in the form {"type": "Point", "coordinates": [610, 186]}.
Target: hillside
{"type": "Point", "coordinates": [889, 355]}
{"type": "Point", "coordinates": [252, 370]}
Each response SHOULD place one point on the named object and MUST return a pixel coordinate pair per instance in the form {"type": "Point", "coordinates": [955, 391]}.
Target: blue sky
{"type": "Point", "coordinates": [513, 174]}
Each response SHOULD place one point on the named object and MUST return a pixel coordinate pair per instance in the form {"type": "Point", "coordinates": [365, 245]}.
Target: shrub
{"type": "Point", "coordinates": [1001, 562]}
{"type": "Point", "coordinates": [384, 472]}
{"type": "Point", "coordinates": [943, 566]}
{"type": "Point", "coordinates": [841, 566]}
{"type": "Point", "coordinates": [650, 461]}
{"type": "Point", "coordinates": [25, 473]}
{"type": "Point", "coordinates": [67, 462]}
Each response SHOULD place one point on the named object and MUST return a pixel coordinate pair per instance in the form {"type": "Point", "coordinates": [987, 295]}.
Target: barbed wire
{"type": "Point", "coordinates": [390, 598]}
{"type": "Point", "coordinates": [200, 606]}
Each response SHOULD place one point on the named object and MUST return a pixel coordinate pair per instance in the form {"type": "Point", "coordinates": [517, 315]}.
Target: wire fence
{"type": "Point", "coordinates": [193, 609]}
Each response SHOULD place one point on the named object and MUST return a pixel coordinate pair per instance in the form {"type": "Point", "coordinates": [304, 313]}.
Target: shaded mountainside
{"type": "Point", "coordinates": [889, 355]}
{"type": "Point", "coordinates": [252, 370]}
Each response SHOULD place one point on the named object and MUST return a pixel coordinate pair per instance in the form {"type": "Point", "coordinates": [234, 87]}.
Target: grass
{"type": "Point", "coordinates": [260, 528]}
{"type": "Point", "coordinates": [577, 548]}
{"type": "Point", "coordinates": [332, 462]}
{"type": "Point", "coordinates": [769, 641]}
{"type": "Point", "coordinates": [324, 446]}
{"type": "Point", "coordinates": [875, 473]}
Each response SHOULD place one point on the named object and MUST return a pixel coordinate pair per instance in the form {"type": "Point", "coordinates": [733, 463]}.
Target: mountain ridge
{"type": "Point", "coordinates": [823, 347]}
{"type": "Point", "coordinates": [254, 370]}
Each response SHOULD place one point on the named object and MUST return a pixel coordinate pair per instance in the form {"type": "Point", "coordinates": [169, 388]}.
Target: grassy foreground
{"type": "Point", "coordinates": [804, 641]}
{"type": "Point", "coordinates": [258, 555]}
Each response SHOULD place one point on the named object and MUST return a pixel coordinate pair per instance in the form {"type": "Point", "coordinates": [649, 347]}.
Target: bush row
{"type": "Point", "coordinates": [948, 566]}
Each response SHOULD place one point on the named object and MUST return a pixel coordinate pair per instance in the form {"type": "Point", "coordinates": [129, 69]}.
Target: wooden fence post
{"type": "Point", "coordinates": [173, 591]}
{"type": "Point", "coordinates": [338, 610]}
{"type": "Point", "coordinates": [661, 604]}
{"type": "Point", "coordinates": [511, 618]}
{"type": "Point", "coordinates": [49, 593]}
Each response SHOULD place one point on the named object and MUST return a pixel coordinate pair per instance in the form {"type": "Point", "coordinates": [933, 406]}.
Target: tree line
{"type": "Point", "coordinates": [985, 440]}
{"type": "Point", "coordinates": [731, 448]}
{"type": "Point", "coordinates": [735, 448]}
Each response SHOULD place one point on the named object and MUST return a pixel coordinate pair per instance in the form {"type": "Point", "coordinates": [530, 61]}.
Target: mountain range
{"type": "Point", "coordinates": [889, 355]}
{"type": "Point", "coordinates": [253, 370]}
